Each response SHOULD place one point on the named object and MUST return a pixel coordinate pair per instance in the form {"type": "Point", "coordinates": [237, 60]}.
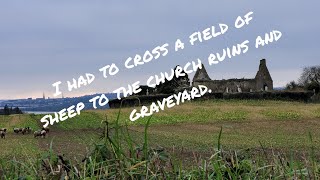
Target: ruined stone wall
{"type": "Point", "coordinates": [261, 82]}
{"type": "Point", "coordinates": [263, 77]}
{"type": "Point", "coordinates": [230, 85]}
{"type": "Point", "coordinates": [272, 95]}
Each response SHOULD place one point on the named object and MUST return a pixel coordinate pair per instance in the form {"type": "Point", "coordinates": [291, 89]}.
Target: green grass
{"type": "Point", "coordinates": [185, 132]}
{"type": "Point", "coordinates": [24, 120]}
{"type": "Point", "coordinates": [245, 122]}
{"type": "Point", "coordinates": [222, 110]}
{"type": "Point", "coordinates": [85, 120]}
{"type": "Point", "coordinates": [19, 147]}
{"type": "Point", "coordinates": [29, 121]}
{"type": "Point", "coordinates": [116, 156]}
{"type": "Point", "coordinates": [4, 120]}
{"type": "Point", "coordinates": [282, 115]}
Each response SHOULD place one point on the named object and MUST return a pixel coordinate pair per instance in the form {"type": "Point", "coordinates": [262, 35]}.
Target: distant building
{"type": "Point", "coordinates": [261, 82]}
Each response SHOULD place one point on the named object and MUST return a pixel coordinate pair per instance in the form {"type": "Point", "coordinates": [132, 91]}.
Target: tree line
{"type": "Point", "coordinates": [309, 80]}
{"type": "Point", "coordinates": [7, 111]}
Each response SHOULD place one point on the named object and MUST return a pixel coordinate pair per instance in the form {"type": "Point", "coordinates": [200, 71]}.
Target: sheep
{"type": "Point", "coordinates": [29, 130]}
{"type": "Point", "coordinates": [37, 133]}
{"type": "Point", "coordinates": [17, 130]}
{"type": "Point", "coordinates": [3, 134]}
{"type": "Point", "coordinates": [23, 131]}
{"type": "Point", "coordinates": [41, 133]}
{"type": "Point", "coordinates": [3, 129]}
{"type": "Point", "coordinates": [46, 129]}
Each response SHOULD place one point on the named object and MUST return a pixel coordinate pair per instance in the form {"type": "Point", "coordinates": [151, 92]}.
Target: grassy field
{"type": "Point", "coordinates": [194, 126]}
{"type": "Point", "coordinates": [188, 132]}
{"type": "Point", "coordinates": [73, 142]}
{"type": "Point", "coordinates": [246, 124]}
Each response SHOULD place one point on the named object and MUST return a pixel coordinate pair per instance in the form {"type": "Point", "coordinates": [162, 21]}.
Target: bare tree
{"type": "Point", "coordinates": [310, 78]}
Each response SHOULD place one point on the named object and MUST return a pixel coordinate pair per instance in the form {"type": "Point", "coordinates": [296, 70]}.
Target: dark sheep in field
{"type": "Point", "coordinates": [29, 130]}
{"type": "Point", "coordinates": [26, 130]}
{"type": "Point", "coordinates": [41, 133]}
{"type": "Point", "coordinates": [46, 129]}
{"type": "Point", "coordinates": [37, 133]}
{"type": "Point", "coordinates": [3, 134]}
{"type": "Point", "coordinates": [23, 131]}
{"type": "Point", "coordinates": [17, 130]}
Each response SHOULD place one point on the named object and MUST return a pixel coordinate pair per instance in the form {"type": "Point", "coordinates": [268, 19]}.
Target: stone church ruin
{"type": "Point", "coordinates": [261, 82]}
{"type": "Point", "coordinates": [259, 87]}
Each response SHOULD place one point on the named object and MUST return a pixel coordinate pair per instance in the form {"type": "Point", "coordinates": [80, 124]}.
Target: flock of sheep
{"type": "Point", "coordinates": [27, 130]}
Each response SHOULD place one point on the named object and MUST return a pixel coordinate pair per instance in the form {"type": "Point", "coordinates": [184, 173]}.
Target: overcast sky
{"type": "Point", "coordinates": [42, 42]}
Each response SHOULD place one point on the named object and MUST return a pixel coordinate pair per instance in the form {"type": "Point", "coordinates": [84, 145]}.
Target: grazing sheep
{"type": "Point", "coordinates": [37, 133]}
{"type": "Point", "coordinates": [29, 130]}
{"type": "Point", "coordinates": [23, 131]}
{"type": "Point", "coordinates": [17, 130]}
{"type": "Point", "coordinates": [3, 134]}
{"type": "Point", "coordinates": [43, 133]}
{"type": "Point", "coordinates": [3, 129]}
{"type": "Point", "coordinates": [46, 129]}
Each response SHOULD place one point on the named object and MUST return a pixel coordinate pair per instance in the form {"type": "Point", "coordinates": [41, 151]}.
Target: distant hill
{"type": "Point", "coordinates": [53, 105]}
